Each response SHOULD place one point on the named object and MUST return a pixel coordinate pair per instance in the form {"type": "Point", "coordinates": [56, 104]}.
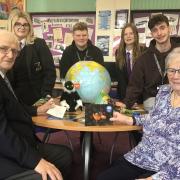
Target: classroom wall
{"type": "Point", "coordinates": [112, 33]}
{"type": "Point", "coordinates": [60, 5]}
{"type": "Point", "coordinates": [90, 5]}
{"type": "Point", "coordinates": [154, 4]}
{"type": "Point", "coordinates": [45, 6]}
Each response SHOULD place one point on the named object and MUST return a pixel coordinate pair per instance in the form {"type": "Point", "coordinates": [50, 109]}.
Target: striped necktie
{"type": "Point", "coordinates": [9, 86]}
{"type": "Point", "coordinates": [128, 62]}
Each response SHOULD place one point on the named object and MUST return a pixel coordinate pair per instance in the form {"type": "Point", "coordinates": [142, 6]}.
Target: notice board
{"type": "Point", "coordinates": [56, 30]}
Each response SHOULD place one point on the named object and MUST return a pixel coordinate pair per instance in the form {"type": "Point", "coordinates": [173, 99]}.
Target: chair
{"type": "Point", "coordinates": [133, 141]}
{"type": "Point", "coordinates": [47, 132]}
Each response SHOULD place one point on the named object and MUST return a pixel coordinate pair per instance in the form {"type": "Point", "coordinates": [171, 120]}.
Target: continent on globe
{"type": "Point", "coordinates": [94, 81]}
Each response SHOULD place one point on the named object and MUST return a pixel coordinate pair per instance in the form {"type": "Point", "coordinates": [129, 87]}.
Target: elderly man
{"type": "Point", "coordinates": [21, 152]}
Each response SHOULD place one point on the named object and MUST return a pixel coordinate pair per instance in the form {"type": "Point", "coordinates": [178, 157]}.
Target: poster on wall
{"type": "Point", "coordinates": [103, 44]}
{"type": "Point", "coordinates": [173, 21]}
{"type": "Point", "coordinates": [121, 18]}
{"type": "Point", "coordinates": [56, 29]}
{"type": "Point", "coordinates": [104, 20]}
{"type": "Point", "coordinates": [115, 45]}
{"type": "Point", "coordinates": [141, 20]}
{"type": "Point", "coordinates": [7, 5]}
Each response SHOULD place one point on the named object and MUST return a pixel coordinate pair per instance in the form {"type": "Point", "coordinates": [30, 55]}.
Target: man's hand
{"type": "Point", "coordinates": [46, 169]}
{"type": "Point", "coordinates": [41, 110]}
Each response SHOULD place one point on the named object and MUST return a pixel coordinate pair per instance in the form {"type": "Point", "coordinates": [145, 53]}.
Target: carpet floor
{"type": "Point", "coordinates": [101, 154]}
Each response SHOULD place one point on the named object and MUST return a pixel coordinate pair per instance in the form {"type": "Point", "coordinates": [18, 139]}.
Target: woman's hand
{"type": "Point", "coordinates": [149, 178]}
{"type": "Point", "coordinates": [121, 118]}
{"type": "Point", "coordinates": [120, 104]}
{"type": "Point", "coordinates": [46, 169]}
{"type": "Point", "coordinates": [41, 110]}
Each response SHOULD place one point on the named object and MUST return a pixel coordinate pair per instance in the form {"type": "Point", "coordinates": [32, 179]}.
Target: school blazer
{"type": "Point", "coordinates": [40, 68]}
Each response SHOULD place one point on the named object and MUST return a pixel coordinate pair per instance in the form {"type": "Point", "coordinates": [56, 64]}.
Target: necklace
{"type": "Point", "coordinates": [175, 100]}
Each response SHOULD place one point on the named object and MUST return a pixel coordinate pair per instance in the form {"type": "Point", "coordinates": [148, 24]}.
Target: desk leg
{"type": "Point", "coordinates": [86, 154]}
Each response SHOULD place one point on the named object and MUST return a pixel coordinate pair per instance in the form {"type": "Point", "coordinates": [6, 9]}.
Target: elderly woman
{"type": "Point", "coordinates": [157, 156]}
{"type": "Point", "coordinates": [33, 74]}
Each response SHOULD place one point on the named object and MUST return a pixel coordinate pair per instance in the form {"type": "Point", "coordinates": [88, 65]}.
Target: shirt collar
{"type": "Point", "coordinates": [23, 43]}
{"type": "Point", "coordinates": [129, 51]}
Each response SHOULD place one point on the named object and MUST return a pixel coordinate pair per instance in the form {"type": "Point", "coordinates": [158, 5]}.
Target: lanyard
{"type": "Point", "coordinates": [162, 73]}
{"type": "Point", "coordinates": [85, 57]}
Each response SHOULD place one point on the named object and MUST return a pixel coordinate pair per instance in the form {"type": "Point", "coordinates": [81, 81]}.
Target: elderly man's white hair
{"type": "Point", "coordinates": [10, 36]}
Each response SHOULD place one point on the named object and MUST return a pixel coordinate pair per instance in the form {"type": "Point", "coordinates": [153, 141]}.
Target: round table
{"type": "Point", "coordinates": [43, 121]}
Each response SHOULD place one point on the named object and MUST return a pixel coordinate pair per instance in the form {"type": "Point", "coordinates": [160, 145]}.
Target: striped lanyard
{"type": "Point", "coordinates": [162, 73]}
{"type": "Point", "coordinates": [85, 57]}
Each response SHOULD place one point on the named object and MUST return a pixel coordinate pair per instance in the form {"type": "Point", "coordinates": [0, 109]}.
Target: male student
{"type": "Point", "coordinates": [149, 70]}
{"type": "Point", "coordinates": [21, 154]}
{"type": "Point", "coordinates": [81, 49]}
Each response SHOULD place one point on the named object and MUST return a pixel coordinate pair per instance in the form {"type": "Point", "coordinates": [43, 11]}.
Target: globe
{"type": "Point", "coordinates": [93, 79]}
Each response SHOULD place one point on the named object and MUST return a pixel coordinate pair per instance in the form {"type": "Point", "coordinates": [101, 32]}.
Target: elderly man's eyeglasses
{"type": "Point", "coordinates": [172, 71]}
{"type": "Point", "coordinates": [5, 50]}
{"type": "Point", "coordinates": [19, 25]}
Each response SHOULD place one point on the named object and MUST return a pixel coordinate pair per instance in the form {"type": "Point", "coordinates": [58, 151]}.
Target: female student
{"type": "Point", "coordinates": [129, 49]}
{"type": "Point", "coordinates": [33, 74]}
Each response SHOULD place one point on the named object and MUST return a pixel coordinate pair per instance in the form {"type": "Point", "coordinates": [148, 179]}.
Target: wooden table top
{"type": "Point", "coordinates": [43, 121]}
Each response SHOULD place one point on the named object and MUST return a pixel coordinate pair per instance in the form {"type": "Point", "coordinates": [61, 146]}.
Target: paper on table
{"type": "Point", "coordinates": [57, 111]}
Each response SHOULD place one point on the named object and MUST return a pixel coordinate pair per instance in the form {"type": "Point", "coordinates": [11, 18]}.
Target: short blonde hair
{"type": "Point", "coordinates": [80, 26]}
{"type": "Point", "coordinates": [13, 18]}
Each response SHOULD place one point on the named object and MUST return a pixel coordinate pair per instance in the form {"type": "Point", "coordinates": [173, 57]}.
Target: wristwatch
{"type": "Point", "coordinates": [134, 120]}
{"type": "Point", "coordinates": [134, 115]}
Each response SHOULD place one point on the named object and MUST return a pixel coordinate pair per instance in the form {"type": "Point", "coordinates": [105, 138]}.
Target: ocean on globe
{"type": "Point", "coordinates": [93, 79]}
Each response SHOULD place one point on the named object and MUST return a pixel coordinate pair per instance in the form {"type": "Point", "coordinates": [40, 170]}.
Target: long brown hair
{"type": "Point", "coordinates": [121, 51]}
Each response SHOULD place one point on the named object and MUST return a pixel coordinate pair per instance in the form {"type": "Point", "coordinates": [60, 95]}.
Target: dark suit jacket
{"type": "Point", "coordinates": [17, 139]}
{"type": "Point", "coordinates": [39, 73]}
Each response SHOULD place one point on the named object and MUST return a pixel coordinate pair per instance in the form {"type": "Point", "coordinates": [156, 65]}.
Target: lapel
{"type": "Point", "coordinates": [28, 55]}
{"type": "Point", "coordinates": [125, 71]}
{"type": "Point", "coordinates": [6, 89]}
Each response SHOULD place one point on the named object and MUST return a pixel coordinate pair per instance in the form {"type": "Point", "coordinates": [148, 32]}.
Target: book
{"type": "Point", "coordinates": [98, 114]}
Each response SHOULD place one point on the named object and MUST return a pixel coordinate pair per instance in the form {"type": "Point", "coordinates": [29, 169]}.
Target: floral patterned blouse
{"type": "Point", "coordinates": [159, 149]}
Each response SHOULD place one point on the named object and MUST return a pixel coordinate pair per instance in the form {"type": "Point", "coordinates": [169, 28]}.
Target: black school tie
{"type": "Point", "coordinates": [9, 86]}
{"type": "Point", "coordinates": [20, 45]}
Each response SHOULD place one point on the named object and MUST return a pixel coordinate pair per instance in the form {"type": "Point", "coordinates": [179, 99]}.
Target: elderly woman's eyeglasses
{"type": "Point", "coordinates": [19, 25]}
{"type": "Point", "coordinates": [172, 71]}
{"type": "Point", "coordinates": [5, 50]}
